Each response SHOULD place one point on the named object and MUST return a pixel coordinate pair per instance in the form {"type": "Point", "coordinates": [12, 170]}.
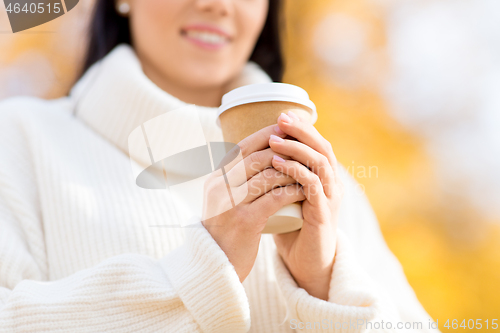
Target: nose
{"type": "Point", "coordinates": [219, 7]}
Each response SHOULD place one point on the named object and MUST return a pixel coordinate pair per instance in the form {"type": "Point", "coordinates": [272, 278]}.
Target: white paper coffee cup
{"type": "Point", "coordinates": [249, 108]}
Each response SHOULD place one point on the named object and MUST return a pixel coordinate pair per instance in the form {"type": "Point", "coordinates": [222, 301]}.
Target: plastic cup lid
{"type": "Point", "coordinates": [262, 92]}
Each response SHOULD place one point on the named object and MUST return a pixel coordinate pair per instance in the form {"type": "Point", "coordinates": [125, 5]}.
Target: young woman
{"type": "Point", "coordinates": [83, 249]}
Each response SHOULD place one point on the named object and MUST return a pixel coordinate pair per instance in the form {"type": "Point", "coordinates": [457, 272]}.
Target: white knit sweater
{"type": "Point", "coordinates": [82, 248]}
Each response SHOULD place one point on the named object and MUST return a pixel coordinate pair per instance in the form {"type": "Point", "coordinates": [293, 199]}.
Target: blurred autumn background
{"type": "Point", "coordinates": [411, 88]}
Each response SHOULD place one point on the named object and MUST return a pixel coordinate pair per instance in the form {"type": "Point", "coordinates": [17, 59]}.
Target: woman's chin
{"type": "Point", "coordinates": [208, 77]}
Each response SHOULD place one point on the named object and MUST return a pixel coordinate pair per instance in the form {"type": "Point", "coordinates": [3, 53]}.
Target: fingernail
{"type": "Point", "coordinates": [285, 118]}
{"type": "Point", "coordinates": [276, 138]}
{"type": "Point", "coordinates": [278, 159]}
{"type": "Point", "coordinates": [278, 130]}
{"type": "Point", "coordinates": [293, 115]}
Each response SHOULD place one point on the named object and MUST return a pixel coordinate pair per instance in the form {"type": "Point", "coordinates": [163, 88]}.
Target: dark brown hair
{"type": "Point", "coordinates": [108, 29]}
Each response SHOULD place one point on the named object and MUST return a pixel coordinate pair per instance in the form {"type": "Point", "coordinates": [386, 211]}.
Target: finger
{"type": "Point", "coordinates": [311, 184]}
{"type": "Point", "coordinates": [306, 133]}
{"type": "Point", "coordinates": [252, 143]}
{"type": "Point", "coordinates": [264, 182]}
{"type": "Point", "coordinates": [309, 157]}
{"type": "Point", "coordinates": [272, 201]}
{"type": "Point", "coordinates": [250, 166]}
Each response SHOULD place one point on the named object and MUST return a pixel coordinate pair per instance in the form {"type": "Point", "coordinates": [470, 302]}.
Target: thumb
{"type": "Point", "coordinates": [285, 241]}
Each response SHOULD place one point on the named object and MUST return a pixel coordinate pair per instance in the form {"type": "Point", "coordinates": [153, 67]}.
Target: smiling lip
{"type": "Point", "coordinates": [216, 40]}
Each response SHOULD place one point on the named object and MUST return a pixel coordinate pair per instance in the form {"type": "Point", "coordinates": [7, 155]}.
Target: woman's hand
{"type": "Point", "coordinates": [309, 253]}
{"type": "Point", "coordinates": [236, 221]}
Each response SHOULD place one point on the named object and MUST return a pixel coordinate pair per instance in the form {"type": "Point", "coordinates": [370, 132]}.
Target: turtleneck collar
{"type": "Point", "coordinates": [115, 96]}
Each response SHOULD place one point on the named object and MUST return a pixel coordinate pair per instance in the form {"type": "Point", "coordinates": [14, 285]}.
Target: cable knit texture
{"type": "Point", "coordinates": [83, 249]}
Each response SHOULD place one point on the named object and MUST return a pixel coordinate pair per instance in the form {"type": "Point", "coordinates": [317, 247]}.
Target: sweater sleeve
{"type": "Point", "coordinates": [368, 289]}
{"type": "Point", "coordinates": [192, 289]}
